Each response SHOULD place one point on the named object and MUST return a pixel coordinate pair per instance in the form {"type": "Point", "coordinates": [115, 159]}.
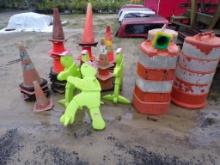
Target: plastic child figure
{"type": "Point", "coordinates": [89, 97]}
{"type": "Point", "coordinates": [70, 69]}
{"type": "Point", "coordinates": [118, 73]}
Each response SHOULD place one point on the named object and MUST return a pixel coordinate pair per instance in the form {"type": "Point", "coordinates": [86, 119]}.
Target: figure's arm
{"type": "Point", "coordinates": [71, 71]}
{"type": "Point", "coordinates": [116, 71]}
{"type": "Point", "coordinates": [77, 82]}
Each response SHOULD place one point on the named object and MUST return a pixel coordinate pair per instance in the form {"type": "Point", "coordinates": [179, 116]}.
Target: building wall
{"type": "Point", "coordinates": [167, 8]}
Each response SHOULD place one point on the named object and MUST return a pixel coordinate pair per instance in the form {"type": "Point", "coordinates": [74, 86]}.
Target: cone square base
{"type": "Point", "coordinates": [43, 82]}
{"type": "Point", "coordinates": [104, 77]}
{"type": "Point", "coordinates": [50, 105]}
{"type": "Point", "coordinates": [107, 85]}
{"type": "Point", "coordinates": [190, 102]}
{"type": "Point", "coordinates": [150, 108]}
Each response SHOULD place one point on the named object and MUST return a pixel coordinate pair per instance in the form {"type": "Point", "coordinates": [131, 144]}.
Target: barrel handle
{"type": "Point", "coordinates": [209, 34]}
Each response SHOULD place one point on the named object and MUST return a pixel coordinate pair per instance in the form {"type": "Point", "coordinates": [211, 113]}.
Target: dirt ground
{"type": "Point", "coordinates": [181, 137]}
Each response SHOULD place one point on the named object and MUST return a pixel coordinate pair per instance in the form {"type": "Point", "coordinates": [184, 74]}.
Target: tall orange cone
{"type": "Point", "coordinates": [88, 40]}
{"type": "Point", "coordinates": [42, 103]}
{"type": "Point", "coordinates": [58, 34]}
{"type": "Point", "coordinates": [57, 40]}
{"type": "Point", "coordinates": [30, 74]}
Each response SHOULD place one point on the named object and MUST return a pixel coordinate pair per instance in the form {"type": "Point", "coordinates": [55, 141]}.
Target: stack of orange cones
{"type": "Point", "coordinates": [57, 50]}
{"type": "Point", "coordinates": [30, 74]}
{"type": "Point", "coordinates": [42, 102]}
{"type": "Point", "coordinates": [104, 75]}
{"type": "Point", "coordinates": [88, 40]}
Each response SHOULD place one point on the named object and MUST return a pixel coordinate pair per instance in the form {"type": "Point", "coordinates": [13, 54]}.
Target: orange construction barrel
{"type": "Point", "coordinates": [195, 70]}
{"type": "Point", "coordinates": [155, 75]}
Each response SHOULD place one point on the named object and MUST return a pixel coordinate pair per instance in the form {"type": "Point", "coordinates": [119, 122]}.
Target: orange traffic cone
{"type": "Point", "coordinates": [30, 74]}
{"type": "Point", "coordinates": [56, 52]}
{"type": "Point", "coordinates": [108, 33]}
{"type": "Point", "coordinates": [88, 40]}
{"type": "Point", "coordinates": [58, 34]}
{"type": "Point", "coordinates": [108, 43]}
{"type": "Point", "coordinates": [42, 103]}
{"type": "Point", "coordinates": [57, 40]}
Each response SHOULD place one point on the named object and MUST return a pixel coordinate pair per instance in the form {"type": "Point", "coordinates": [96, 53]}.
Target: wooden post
{"type": "Point", "coordinates": [193, 12]}
{"type": "Point", "coordinates": [215, 18]}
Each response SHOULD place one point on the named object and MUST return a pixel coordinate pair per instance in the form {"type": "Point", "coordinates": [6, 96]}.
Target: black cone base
{"type": "Point", "coordinates": [56, 85]}
{"type": "Point", "coordinates": [28, 91]}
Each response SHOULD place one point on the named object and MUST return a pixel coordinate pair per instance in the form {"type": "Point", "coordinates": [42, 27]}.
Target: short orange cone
{"type": "Point", "coordinates": [42, 102]}
{"type": "Point", "coordinates": [108, 33]}
{"type": "Point", "coordinates": [88, 40]}
{"type": "Point", "coordinates": [108, 43]}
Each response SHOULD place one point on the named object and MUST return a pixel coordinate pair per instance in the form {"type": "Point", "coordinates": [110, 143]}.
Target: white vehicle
{"type": "Point", "coordinates": [134, 12]}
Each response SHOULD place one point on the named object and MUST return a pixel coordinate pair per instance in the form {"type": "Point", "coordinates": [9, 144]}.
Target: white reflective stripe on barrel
{"type": "Point", "coordinates": [193, 51]}
{"type": "Point", "coordinates": [193, 78]}
{"type": "Point", "coordinates": [154, 86]}
{"type": "Point", "coordinates": [192, 89]}
{"type": "Point", "coordinates": [197, 65]}
{"type": "Point", "coordinates": [158, 62]}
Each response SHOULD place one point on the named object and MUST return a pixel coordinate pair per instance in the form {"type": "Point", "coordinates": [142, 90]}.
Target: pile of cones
{"type": "Point", "coordinates": [105, 62]}
{"type": "Point", "coordinates": [33, 86]}
{"type": "Point", "coordinates": [56, 52]}
{"type": "Point", "coordinates": [30, 74]}
{"type": "Point", "coordinates": [104, 75]}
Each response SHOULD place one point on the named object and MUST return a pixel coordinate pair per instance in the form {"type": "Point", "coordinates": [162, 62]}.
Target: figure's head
{"type": "Point", "coordinates": [88, 70]}
{"type": "Point", "coordinates": [119, 55]}
{"type": "Point", "coordinates": [66, 61]}
{"type": "Point", "coordinates": [84, 55]}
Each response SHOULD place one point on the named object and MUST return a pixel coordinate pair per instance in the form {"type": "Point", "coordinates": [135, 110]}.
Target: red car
{"type": "Point", "coordinates": [138, 27]}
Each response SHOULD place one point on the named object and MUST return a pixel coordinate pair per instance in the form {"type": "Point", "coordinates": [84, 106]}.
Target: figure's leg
{"type": "Point", "coordinates": [98, 122]}
{"type": "Point", "coordinates": [69, 116]}
{"type": "Point", "coordinates": [116, 93]}
{"type": "Point", "coordinates": [69, 90]}
{"type": "Point", "coordinates": [69, 93]}
{"type": "Point", "coordinates": [122, 99]}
